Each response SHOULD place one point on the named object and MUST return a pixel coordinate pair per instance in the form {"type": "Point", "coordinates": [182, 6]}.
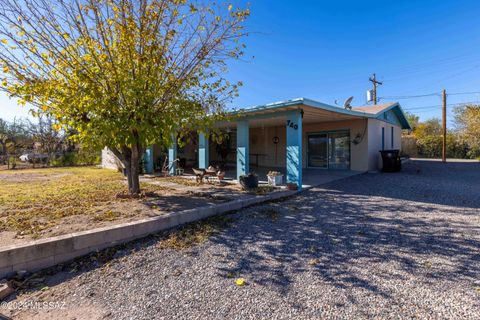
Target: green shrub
{"type": "Point", "coordinates": [430, 146]}
{"type": "Point", "coordinates": [76, 158]}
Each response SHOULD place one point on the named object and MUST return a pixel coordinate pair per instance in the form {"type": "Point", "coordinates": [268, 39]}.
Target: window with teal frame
{"type": "Point", "coordinates": [392, 131]}
{"type": "Point", "coordinates": [383, 138]}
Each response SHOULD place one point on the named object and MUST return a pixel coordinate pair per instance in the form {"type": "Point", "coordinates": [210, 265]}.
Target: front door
{"type": "Point", "coordinates": [318, 150]}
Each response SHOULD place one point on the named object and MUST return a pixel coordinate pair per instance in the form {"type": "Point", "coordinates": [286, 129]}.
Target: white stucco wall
{"type": "Point", "coordinates": [109, 160]}
{"type": "Point", "coordinates": [375, 141]}
{"type": "Point", "coordinates": [358, 152]}
{"type": "Point", "coordinates": [364, 156]}
{"type": "Point", "coordinates": [261, 142]}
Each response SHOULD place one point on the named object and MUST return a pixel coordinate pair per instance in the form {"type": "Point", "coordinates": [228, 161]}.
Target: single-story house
{"type": "Point", "coordinates": [293, 137]}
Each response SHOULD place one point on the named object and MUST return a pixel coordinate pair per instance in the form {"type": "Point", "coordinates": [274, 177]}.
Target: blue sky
{"type": "Point", "coordinates": [326, 50]}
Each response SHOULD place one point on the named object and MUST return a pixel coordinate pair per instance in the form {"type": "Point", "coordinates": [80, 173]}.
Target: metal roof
{"type": "Point", "coordinates": [364, 111]}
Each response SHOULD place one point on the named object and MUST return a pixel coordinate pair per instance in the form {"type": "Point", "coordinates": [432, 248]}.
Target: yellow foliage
{"type": "Point", "coordinates": [128, 78]}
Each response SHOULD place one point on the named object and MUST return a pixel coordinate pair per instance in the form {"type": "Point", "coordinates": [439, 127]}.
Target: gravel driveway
{"type": "Point", "coordinates": [386, 246]}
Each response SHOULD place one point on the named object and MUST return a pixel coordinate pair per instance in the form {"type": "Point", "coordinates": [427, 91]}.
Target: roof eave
{"type": "Point", "coordinates": [403, 119]}
{"type": "Point", "coordinates": [300, 102]}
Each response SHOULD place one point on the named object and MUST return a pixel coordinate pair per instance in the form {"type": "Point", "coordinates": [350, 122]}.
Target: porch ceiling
{"type": "Point", "coordinates": [315, 115]}
{"type": "Point", "coordinates": [277, 117]}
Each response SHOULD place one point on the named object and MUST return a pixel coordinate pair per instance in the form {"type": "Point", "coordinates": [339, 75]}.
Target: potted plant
{"type": "Point", "coordinates": [275, 178]}
{"type": "Point", "coordinates": [249, 181]}
{"type": "Point", "coordinates": [292, 186]}
{"type": "Point", "coordinates": [221, 175]}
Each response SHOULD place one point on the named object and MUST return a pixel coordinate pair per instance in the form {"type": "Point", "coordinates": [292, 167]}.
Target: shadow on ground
{"type": "Point", "coordinates": [349, 240]}
{"type": "Point", "coordinates": [422, 221]}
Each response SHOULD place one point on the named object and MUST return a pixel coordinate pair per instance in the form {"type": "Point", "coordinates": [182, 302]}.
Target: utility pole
{"type": "Point", "coordinates": [444, 125]}
{"type": "Point", "coordinates": [375, 83]}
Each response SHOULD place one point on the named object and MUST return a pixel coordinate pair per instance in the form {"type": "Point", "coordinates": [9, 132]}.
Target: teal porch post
{"type": "Point", "coordinates": [242, 148]}
{"type": "Point", "coordinates": [148, 160]}
{"type": "Point", "coordinates": [294, 148]}
{"type": "Point", "coordinates": [172, 155]}
{"type": "Point", "coordinates": [203, 151]}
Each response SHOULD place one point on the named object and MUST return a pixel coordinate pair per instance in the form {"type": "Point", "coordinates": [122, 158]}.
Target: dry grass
{"type": "Point", "coordinates": [261, 190]}
{"type": "Point", "coordinates": [195, 233]}
{"type": "Point", "coordinates": [179, 180]}
{"type": "Point", "coordinates": [34, 200]}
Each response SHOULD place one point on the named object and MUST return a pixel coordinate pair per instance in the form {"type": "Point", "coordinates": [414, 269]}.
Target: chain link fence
{"type": "Point", "coordinates": [27, 158]}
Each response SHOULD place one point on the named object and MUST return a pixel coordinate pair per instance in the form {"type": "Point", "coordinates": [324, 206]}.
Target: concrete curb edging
{"type": "Point", "coordinates": [48, 252]}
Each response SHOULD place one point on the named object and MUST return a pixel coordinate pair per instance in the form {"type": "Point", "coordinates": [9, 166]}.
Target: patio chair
{"type": "Point", "coordinates": [199, 174]}
{"type": "Point", "coordinates": [166, 168]}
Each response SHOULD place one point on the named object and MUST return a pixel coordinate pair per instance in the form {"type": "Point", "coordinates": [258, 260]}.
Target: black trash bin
{"type": "Point", "coordinates": [391, 160]}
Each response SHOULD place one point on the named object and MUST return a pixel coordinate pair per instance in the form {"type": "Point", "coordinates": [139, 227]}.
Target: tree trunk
{"type": "Point", "coordinates": [130, 157]}
{"type": "Point", "coordinates": [133, 179]}
{"type": "Point", "coordinates": [4, 147]}
{"type": "Point", "coordinates": [128, 169]}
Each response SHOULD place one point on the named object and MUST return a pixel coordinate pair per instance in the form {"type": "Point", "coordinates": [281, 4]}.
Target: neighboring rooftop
{"type": "Point", "coordinates": [375, 109]}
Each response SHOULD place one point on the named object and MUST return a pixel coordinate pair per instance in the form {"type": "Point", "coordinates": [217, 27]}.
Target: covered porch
{"type": "Point", "coordinates": [308, 142]}
{"type": "Point", "coordinates": [311, 177]}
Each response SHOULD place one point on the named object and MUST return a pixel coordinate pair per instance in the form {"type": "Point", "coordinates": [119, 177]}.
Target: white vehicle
{"type": "Point", "coordinates": [32, 157]}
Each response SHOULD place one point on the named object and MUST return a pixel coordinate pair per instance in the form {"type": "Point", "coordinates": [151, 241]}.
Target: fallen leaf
{"type": "Point", "coordinates": [240, 282]}
{"type": "Point", "coordinates": [313, 262]}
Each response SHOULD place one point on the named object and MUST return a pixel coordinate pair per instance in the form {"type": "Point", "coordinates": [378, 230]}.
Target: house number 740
{"type": "Point", "coordinates": [291, 124]}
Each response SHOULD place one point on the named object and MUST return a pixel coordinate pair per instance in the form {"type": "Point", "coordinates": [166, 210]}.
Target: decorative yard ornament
{"type": "Point", "coordinates": [276, 140]}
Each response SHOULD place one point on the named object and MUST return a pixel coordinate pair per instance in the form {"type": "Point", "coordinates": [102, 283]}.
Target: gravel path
{"type": "Point", "coordinates": [386, 246]}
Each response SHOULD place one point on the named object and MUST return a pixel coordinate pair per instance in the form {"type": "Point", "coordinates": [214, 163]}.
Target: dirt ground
{"type": "Point", "coordinates": [40, 203]}
{"type": "Point", "coordinates": [375, 246]}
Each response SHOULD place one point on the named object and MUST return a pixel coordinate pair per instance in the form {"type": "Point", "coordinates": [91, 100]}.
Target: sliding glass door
{"type": "Point", "coordinates": [329, 150]}
{"type": "Point", "coordinates": [318, 150]}
{"type": "Point", "coordinates": [339, 150]}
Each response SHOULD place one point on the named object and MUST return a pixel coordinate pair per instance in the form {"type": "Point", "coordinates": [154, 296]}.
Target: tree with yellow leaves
{"type": "Point", "coordinates": [467, 123]}
{"type": "Point", "coordinates": [123, 73]}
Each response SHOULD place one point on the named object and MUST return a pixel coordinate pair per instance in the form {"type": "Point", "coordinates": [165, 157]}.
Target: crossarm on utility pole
{"type": "Point", "coordinates": [375, 84]}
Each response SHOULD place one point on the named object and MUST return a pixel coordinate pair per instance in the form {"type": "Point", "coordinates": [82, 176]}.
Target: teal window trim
{"type": "Point", "coordinates": [392, 131]}
{"type": "Point", "coordinates": [383, 138]}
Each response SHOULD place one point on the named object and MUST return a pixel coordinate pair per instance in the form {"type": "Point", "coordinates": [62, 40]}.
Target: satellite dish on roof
{"type": "Point", "coordinates": [347, 102]}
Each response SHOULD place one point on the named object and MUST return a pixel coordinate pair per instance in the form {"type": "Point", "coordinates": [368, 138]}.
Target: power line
{"type": "Point", "coordinates": [439, 105]}
{"type": "Point", "coordinates": [427, 95]}
{"type": "Point", "coordinates": [411, 97]}
{"type": "Point", "coordinates": [424, 107]}
{"type": "Point", "coordinates": [460, 93]}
